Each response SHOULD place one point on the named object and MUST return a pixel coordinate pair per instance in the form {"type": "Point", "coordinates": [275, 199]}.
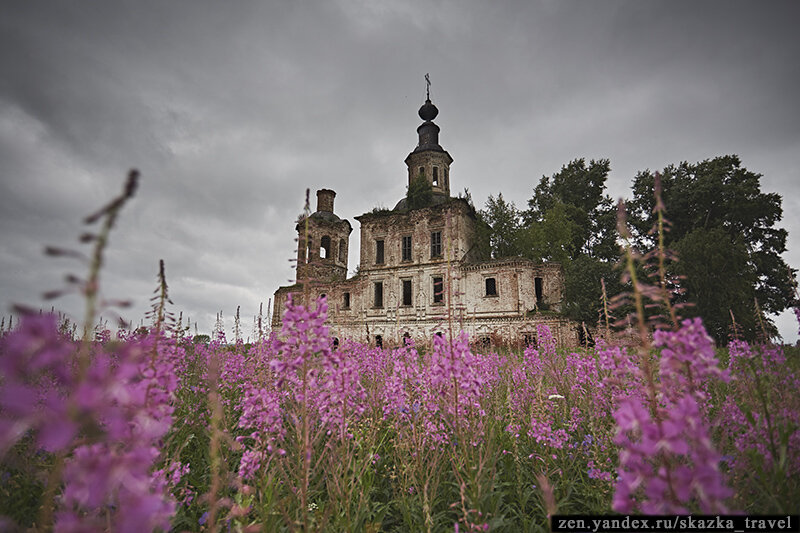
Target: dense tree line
{"type": "Point", "coordinates": [722, 229]}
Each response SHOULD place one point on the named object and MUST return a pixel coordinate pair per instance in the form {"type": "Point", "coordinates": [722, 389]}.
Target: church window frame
{"type": "Point", "coordinates": [490, 286]}
{"type": "Point", "coordinates": [438, 290]}
{"type": "Point", "coordinates": [407, 290]}
{"type": "Point", "coordinates": [436, 244]}
{"type": "Point", "coordinates": [405, 248]}
{"type": "Point", "coordinates": [380, 251]}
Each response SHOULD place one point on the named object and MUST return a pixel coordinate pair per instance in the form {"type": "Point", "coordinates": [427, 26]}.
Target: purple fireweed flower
{"type": "Point", "coordinates": [118, 404]}
{"type": "Point", "coordinates": [688, 360]}
{"type": "Point", "coordinates": [263, 416]}
{"type": "Point", "coordinates": [666, 458]}
{"type": "Point", "coordinates": [770, 429]}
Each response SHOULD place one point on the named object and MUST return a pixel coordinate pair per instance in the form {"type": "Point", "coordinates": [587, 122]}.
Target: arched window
{"type": "Point", "coordinates": [325, 248]}
{"type": "Point", "coordinates": [342, 251]}
{"type": "Point", "coordinates": [435, 176]}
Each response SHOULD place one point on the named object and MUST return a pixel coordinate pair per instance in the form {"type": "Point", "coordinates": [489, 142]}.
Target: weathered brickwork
{"type": "Point", "coordinates": [421, 272]}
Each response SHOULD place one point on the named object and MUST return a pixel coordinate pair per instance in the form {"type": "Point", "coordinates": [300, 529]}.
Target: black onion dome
{"type": "Point", "coordinates": [428, 111]}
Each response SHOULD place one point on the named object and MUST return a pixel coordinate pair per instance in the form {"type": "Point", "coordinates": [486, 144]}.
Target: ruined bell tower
{"type": "Point", "coordinates": [322, 242]}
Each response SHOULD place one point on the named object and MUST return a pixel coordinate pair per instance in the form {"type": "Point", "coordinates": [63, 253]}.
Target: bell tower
{"type": "Point", "coordinates": [429, 159]}
{"type": "Point", "coordinates": [322, 242]}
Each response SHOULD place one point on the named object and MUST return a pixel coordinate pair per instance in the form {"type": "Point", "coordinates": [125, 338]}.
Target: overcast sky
{"type": "Point", "coordinates": [230, 110]}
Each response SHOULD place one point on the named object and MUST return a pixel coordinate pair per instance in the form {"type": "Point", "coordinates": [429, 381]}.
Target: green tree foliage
{"type": "Point", "coordinates": [721, 198]}
{"type": "Point", "coordinates": [583, 291]}
{"type": "Point", "coordinates": [552, 238]}
{"type": "Point", "coordinates": [571, 220]}
{"type": "Point", "coordinates": [420, 193]}
{"type": "Point", "coordinates": [579, 191]}
{"type": "Point", "coordinates": [700, 253]}
{"type": "Point", "coordinates": [504, 220]}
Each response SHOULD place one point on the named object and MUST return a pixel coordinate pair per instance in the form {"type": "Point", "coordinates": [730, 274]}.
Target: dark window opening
{"type": "Point", "coordinates": [537, 283]}
{"type": "Point", "coordinates": [422, 171]}
{"type": "Point", "coordinates": [406, 248]}
{"type": "Point", "coordinates": [379, 252]}
{"type": "Point", "coordinates": [379, 341]}
{"type": "Point", "coordinates": [491, 287]}
{"type": "Point", "coordinates": [342, 251]}
{"type": "Point", "coordinates": [439, 334]}
{"type": "Point", "coordinates": [529, 339]}
{"type": "Point", "coordinates": [335, 342]}
{"type": "Point", "coordinates": [378, 294]}
{"type": "Point", "coordinates": [346, 302]}
{"type": "Point", "coordinates": [485, 342]}
{"type": "Point", "coordinates": [323, 295]}
{"type": "Point", "coordinates": [435, 176]}
{"type": "Point", "coordinates": [406, 292]}
{"type": "Point", "coordinates": [438, 290]}
{"type": "Point", "coordinates": [436, 244]}
{"type": "Point", "coordinates": [325, 247]}
{"type": "Point", "coordinates": [406, 338]}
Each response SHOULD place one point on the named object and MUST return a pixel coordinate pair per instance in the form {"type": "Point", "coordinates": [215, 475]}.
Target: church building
{"type": "Point", "coordinates": [422, 271]}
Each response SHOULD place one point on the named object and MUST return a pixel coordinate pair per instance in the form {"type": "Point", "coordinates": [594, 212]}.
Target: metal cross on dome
{"type": "Point", "coordinates": [428, 88]}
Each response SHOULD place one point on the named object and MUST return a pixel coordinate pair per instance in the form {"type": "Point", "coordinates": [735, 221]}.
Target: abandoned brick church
{"type": "Point", "coordinates": [420, 268]}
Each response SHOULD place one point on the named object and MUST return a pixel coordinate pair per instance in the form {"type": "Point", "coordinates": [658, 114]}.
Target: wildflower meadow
{"type": "Point", "coordinates": [155, 430]}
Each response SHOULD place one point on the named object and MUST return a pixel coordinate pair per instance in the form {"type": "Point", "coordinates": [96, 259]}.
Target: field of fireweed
{"type": "Point", "coordinates": [153, 431]}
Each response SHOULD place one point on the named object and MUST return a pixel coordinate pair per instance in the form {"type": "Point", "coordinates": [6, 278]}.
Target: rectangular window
{"type": "Point", "coordinates": [406, 248]}
{"type": "Point", "coordinates": [406, 292]}
{"type": "Point", "coordinates": [379, 252]}
{"type": "Point", "coordinates": [436, 244]}
{"type": "Point", "coordinates": [435, 176]}
{"type": "Point", "coordinates": [491, 287]}
{"type": "Point", "coordinates": [346, 302]}
{"type": "Point", "coordinates": [378, 294]}
{"type": "Point", "coordinates": [537, 284]}
{"type": "Point", "coordinates": [438, 290]}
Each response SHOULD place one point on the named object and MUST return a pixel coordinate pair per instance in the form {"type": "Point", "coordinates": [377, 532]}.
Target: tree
{"type": "Point", "coordinates": [571, 220]}
{"type": "Point", "coordinates": [552, 238]}
{"type": "Point", "coordinates": [580, 189]}
{"type": "Point", "coordinates": [420, 193]}
{"type": "Point", "coordinates": [582, 289]}
{"type": "Point", "coordinates": [722, 199]}
{"type": "Point", "coordinates": [716, 297]}
{"type": "Point", "coordinates": [504, 220]}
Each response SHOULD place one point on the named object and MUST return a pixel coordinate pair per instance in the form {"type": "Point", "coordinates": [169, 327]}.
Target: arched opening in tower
{"type": "Point", "coordinates": [325, 248]}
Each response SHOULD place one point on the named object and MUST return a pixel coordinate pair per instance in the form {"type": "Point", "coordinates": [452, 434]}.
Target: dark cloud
{"type": "Point", "coordinates": [232, 111]}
